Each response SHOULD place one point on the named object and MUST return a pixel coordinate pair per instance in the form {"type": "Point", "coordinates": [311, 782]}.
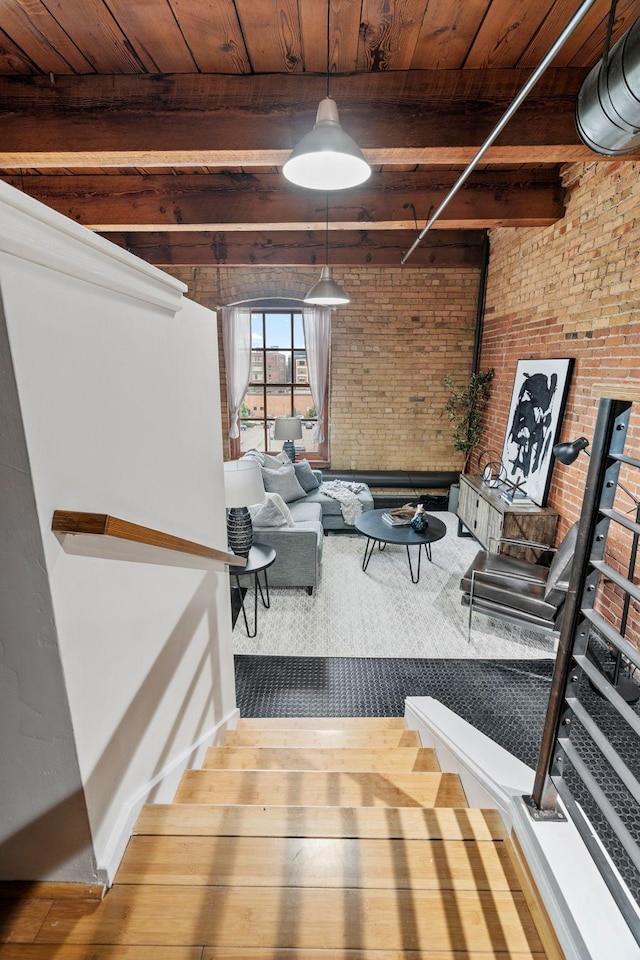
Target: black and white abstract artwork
{"type": "Point", "coordinates": [537, 405]}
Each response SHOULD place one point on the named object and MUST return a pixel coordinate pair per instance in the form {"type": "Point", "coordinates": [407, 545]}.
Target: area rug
{"type": "Point", "coordinates": [381, 613]}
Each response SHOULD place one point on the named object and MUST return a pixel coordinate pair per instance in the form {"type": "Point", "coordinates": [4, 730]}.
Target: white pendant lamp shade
{"type": "Point", "coordinates": [326, 292]}
{"type": "Point", "coordinates": [327, 158]}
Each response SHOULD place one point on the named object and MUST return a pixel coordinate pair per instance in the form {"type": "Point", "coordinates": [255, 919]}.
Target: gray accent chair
{"type": "Point", "coordinates": [528, 595]}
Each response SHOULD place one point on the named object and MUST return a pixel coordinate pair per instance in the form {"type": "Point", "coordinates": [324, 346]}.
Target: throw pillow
{"type": "Point", "coordinates": [272, 512]}
{"type": "Point", "coordinates": [305, 475]}
{"type": "Point", "coordinates": [256, 455]}
{"type": "Point", "coordinates": [284, 509]}
{"type": "Point", "coordinates": [282, 481]}
{"type": "Point", "coordinates": [271, 462]}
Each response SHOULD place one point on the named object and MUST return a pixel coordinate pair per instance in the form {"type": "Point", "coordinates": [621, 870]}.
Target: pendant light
{"type": "Point", "coordinates": [326, 292]}
{"type": "Point", "coordinates": [327, 158]}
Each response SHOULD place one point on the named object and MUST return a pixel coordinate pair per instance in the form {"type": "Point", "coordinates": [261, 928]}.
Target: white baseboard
{"type": "Point", "coordinates": [160, 789]}
{"type": "Point", "coordinates": [584, 915]}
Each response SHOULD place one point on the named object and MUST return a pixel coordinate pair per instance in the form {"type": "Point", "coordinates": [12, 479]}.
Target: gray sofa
{"type": "Point", "coordinates": [299, 548]}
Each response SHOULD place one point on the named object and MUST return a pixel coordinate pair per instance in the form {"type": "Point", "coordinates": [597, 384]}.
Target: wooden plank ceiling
{"type": "Point", "coordinates": [164, 123]}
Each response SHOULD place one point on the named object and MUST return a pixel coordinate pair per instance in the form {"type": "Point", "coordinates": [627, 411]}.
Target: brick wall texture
{"type": "Point", "coordinates": [573, 290]}
{"type": "Point", "coordinates": [391, 348]}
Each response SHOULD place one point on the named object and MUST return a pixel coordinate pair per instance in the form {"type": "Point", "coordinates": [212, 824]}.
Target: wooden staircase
{"type": "Point", "coordinates": [309, 840]}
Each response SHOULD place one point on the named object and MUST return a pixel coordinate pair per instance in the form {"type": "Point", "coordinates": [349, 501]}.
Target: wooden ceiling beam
{"type": "Point", "coordinates": [447, 248]}
{"type": "Point", "coordinates": [237, 202]}
{"type": "Point", "coordinates": [404, 117]}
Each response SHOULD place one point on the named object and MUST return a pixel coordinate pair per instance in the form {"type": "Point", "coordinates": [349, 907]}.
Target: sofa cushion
{"type": "Point", "coordinates": [302, 510]}
{"type": "Point", "coordinates": [272, 512]}
{"type": "Point", "coordinates": [305, 476]}
{"type": "Point", "coordinates": [282, 481]}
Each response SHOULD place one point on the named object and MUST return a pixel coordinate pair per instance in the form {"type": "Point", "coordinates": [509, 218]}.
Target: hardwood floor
{"type": "Point", "coordinates": [301, 841]}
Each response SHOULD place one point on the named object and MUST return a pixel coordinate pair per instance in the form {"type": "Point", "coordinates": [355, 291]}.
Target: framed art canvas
{"type": "Point", "coordinates": [537, 405]}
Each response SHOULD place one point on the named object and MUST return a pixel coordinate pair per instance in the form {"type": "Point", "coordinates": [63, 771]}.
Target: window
{"type": "Point", "coordinates": [278, 383]}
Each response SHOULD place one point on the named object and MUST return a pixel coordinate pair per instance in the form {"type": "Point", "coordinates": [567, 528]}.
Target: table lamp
{"type": "Point", "coordinates": [242, 486]}
{"type": "Point", "coordinates": [288, 429]}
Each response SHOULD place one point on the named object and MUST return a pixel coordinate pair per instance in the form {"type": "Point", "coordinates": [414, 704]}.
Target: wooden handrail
{"type": "Point", "coordinates": [101, 524]}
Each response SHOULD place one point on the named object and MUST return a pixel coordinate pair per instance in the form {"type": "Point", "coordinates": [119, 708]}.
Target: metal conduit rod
{"type": "Point", "coordinates": [497, 130]}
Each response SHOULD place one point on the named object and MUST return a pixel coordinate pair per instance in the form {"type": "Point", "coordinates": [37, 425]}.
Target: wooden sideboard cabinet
{"type": "Point", "coordinates": [483, 511]}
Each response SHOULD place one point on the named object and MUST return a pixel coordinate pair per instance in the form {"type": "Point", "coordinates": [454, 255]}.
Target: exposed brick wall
{"type": "Point", "coordinates": [572, 290]}
{"type": "Point", "coordinates": [404, 329]}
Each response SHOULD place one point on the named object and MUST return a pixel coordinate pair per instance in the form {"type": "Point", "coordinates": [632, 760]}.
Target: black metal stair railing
{"type": "Point", "coordinates": [573, 717]}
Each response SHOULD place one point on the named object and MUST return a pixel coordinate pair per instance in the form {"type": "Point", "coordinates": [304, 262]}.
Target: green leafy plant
{"type": "Point", "coordinates": [465, 408]}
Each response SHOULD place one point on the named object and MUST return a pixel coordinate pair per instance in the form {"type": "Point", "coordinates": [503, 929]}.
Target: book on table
{"type": "Point", "coordinates": [400, 517]}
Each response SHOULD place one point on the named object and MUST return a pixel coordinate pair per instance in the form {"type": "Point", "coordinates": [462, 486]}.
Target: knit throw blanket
{"type": "Point", "coordinates": [346, 494]}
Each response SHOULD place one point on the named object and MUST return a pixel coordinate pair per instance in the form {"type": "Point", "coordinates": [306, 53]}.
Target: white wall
{"type": "Point", "coordinates": [119, 399]}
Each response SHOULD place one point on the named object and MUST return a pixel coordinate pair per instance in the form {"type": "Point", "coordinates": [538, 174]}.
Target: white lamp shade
{"type": "Point", "coordinates": [327, 158]}
{"type": "Point", "coordinates": [287, 428]}
{"type": "Point", "coordinates": [242, 483]}
{"type": "Point", "coordinates": [326, 292]}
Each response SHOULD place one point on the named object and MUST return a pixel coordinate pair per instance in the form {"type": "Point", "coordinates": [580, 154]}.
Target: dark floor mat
{"type": "Point", "coordinates": [505, 699]}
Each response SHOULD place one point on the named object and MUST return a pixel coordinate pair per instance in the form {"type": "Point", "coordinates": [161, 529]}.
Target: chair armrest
{"type": "Point", "coordinates": [318, 474]}
{"type": "Point", "coordinates": [522, 543]}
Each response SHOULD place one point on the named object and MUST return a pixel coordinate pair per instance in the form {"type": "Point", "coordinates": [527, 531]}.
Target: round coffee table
{"type": "Point", "coordinates": [377, 530]}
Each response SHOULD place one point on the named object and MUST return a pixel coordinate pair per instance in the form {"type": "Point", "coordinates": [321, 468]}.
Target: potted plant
{"type": "Point", "coordinates": [465, 408]}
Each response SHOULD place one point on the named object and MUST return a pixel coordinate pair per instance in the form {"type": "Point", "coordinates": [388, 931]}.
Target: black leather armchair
{"type": "Point", "coordinates": [526, 594]}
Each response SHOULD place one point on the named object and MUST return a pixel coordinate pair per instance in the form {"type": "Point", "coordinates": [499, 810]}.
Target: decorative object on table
{"type": "Point", "coordinates": [514, 492]}
{"type": "Point", "coordinates": [420, 521]}
{"type": "Point", "coordinates": [400, 516]}
{"type": "Point", "coordinates": [491, 468]}
{"type": "Point", "coordinates": [465, 408]}
{"type": "Point", "coordinates": [242, 486]}
{"type": "Point", "coordinates": [537, 405]}
{"type": "Point", "coordinates": [288, 429]}
{"type": "Point", "coordinates": [568, 453]}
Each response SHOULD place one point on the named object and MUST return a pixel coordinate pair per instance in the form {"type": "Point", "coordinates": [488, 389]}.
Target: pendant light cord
{"type": "Point", "coordinates": [328, 60]}
{"type": "Point", "coordinates": [326, 234]}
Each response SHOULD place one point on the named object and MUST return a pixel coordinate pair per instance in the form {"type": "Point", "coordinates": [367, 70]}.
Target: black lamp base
{"type": "Point", "coordinates": [239, 531]}
{"type": "Point", "coordinates": [289, 448]}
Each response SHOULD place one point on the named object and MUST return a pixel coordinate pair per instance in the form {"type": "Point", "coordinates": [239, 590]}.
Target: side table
{"type": "Point", "coordinates": [260, 558]}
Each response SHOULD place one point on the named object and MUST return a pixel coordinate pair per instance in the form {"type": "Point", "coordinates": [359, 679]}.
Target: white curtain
{"type": "Point", "coordinates": [317, 332]}
{"type": "Point", "coordinates": [236, 338]}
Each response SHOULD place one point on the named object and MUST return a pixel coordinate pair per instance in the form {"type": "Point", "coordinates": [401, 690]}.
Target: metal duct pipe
{"type": "Point", "coordinates": [608, 105]}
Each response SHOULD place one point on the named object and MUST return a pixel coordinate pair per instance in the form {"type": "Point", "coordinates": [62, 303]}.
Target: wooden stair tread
{"type": "Point", "coordinates": [322, 723]}
{"type": "Point", "coordinates": [19, 951]}
{"type": "Point", "coordinates": [320, 787]}
{"type": "Point", "coordinates": [297, 917]}
{"type": "Point", "coordinates": [194, 819]}
{"type": "Point", "coordinates": [232, 953]}
{"type": "Point", "coordinates": [320, 758]}
{"type": "Point", "coordinates": [66, 951]}
{"type": "Point", "coordinates": [267, 862]}
{"type": "Point", "coordinates": [318, 862]}
{"type": "Point", "coordinates": [373, 739]}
